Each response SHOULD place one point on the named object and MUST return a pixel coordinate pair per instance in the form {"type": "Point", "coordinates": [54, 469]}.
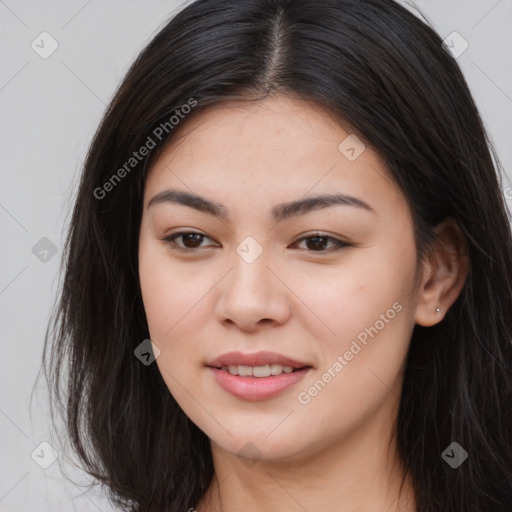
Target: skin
{"type": "Point", "coordinates": [294, 299]}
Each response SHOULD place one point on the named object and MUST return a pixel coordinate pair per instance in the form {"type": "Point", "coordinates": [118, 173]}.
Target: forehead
{"type": "Point", "coordinates": [272, 149]}
{"type": "Point", "coordinates": [277, 128]}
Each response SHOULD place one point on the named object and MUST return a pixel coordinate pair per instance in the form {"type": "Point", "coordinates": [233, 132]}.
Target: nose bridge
{"type": "Point", "coordinates": [251, 292]}
{"type": "Point", "coordinates": [250, 275]}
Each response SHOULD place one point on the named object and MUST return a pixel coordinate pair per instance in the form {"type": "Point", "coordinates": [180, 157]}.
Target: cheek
{"type": "Point", "coordinates": [169, 293]}
{"type": "Point", "coordinates": [362, 362]}
{"type": "Point", "coordinates": [172, 305]}
{"type": "Point", "coordinates": [369, 311]}
{"type": "Point", "coordinates": [351, 297]}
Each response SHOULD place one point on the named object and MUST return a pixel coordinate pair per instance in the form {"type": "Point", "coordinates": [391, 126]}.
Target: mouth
{"type": "Point", "coordinates": [258, 364]}
{"type": "Point", "coordinates": [262, 371]}
{"type": "Point", "coordinates": [256, 376]}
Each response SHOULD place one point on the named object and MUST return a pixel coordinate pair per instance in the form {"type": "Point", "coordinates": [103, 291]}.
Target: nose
{"type": "Point", "coordinates": [253, 296]}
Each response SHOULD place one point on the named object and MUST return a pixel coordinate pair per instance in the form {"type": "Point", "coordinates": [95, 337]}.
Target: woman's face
{"type": "Point", "coordinates": [324, 285]}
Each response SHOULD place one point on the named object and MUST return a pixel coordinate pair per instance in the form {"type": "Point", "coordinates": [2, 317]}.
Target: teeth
{"type": "Point", "coordinates": [261, 371]}
{"type": "Point", "coordinates": [258, 371]}
{"type": "Point", "coordinates": [244, 371]}
{"type": "Point", "coordinates": [276, 369]}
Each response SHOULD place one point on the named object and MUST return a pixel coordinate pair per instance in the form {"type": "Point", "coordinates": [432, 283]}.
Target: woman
{"type": "Point", "coordinates": [289, 268]}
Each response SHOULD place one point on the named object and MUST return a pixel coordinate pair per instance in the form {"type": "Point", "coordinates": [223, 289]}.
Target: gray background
{"type": "Point", "coordinates": [49, 109]}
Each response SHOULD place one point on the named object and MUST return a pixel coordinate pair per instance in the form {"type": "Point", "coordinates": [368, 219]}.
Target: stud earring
{"type": "Point", "coordinates": [438, 310]}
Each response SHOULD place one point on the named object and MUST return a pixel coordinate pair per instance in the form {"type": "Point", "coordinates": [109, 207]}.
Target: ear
{"type": "Point", "coordinates": [444, 273]}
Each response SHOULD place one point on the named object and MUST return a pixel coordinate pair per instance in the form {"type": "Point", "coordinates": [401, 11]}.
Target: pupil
{"type": "Point", "coordinates": [318, 242]}
{"type": "Point", "coordinates": [197, 239]}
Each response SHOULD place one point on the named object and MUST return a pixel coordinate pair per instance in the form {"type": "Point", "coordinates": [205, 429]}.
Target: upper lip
{"type": "Point", "coordinates": [254, 359]}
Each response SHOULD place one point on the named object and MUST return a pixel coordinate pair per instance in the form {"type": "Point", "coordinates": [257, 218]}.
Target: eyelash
{"type": "Point", "coordinates": [338, 243]}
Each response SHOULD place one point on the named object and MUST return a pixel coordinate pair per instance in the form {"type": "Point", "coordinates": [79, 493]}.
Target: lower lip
{"type": "Point", "coordinates": [257, 388]}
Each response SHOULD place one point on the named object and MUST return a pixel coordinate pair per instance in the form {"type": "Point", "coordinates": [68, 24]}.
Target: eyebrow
{"type": "Point", "coordinates": [279, 212]}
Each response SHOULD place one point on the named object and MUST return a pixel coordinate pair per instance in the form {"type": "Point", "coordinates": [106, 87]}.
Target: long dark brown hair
{"type": "Point", "coordinates": [377, 66]}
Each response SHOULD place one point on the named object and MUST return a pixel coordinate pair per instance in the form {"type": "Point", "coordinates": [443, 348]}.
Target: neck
{"type": "Point", "coordinates": [360, 472]}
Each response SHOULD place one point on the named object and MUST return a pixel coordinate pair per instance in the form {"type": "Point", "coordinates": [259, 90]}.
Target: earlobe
{"type": "Point", "coordinates": [444, 273]}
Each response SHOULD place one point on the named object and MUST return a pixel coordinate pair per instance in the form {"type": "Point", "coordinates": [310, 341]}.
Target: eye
{"type": "Point", "coordinates": [190, 239]}
{"type": "Point", "coordinates": [317, 242]}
